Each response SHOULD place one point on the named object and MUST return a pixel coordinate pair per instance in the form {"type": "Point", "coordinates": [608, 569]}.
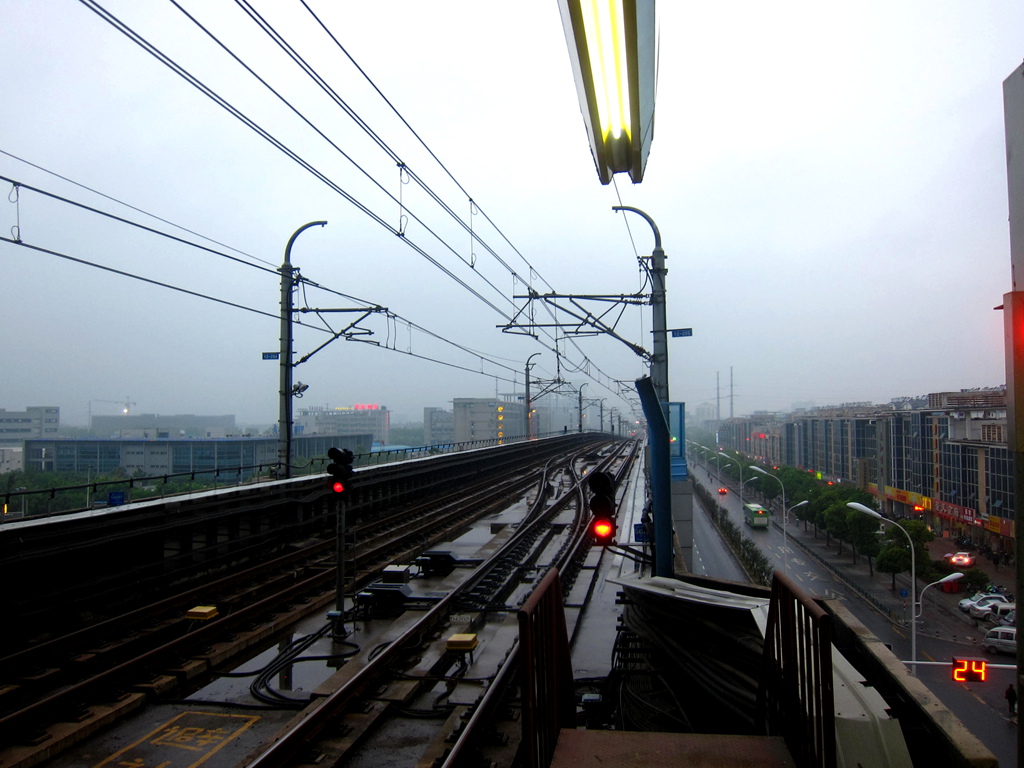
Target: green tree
{"type": "Point", "coordinates": [893, 558]}
{"type": "Point", "coordinates": [894, 540]}
{"type": "Point", "coordinates": [835, 521]}
{"type": "Point", "coordinates": [862, 531]}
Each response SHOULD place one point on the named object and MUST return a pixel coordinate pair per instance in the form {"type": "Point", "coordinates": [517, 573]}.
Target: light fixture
{"type": "Point", "coordinates": [612, 48]}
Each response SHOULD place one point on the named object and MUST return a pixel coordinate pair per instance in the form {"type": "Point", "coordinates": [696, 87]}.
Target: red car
{"type": "Point", "coordinates": [723, 491]}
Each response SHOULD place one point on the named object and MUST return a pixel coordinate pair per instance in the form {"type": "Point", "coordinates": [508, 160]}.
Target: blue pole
{"type": "Point", "coordinates": [661, 476]}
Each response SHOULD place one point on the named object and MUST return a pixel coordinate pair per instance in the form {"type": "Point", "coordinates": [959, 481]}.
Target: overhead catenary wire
{"type": "Point", "coordinates": [290, 51]}
{"type": "Point", "coordinates": [235, 305]}
{"type": "Point", "coordinates": [585, 367]}
{"type": "Point", "coordinates": [416, 135]}
{"type": "Point", "coordinates": [132, 35]}
{"type": "Point", "coordinates": [130, 206]}
{"type": "Point", "coordinates": [122, 220]}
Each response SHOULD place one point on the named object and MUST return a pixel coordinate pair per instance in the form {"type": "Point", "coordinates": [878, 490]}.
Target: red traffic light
{"type": "Point", "coordinates": [338, 487]}
{"type": "Point", "coordinates": [603, 529]}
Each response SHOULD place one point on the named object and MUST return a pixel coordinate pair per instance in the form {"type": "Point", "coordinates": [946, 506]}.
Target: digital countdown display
{"type": "Point", "coordinates": [970, 670]}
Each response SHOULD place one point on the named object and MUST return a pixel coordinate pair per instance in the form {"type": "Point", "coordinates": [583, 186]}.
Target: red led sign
{"type": "Point", "coordinates": [970, 670]}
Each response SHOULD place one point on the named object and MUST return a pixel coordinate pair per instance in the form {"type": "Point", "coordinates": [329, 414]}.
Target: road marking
{"type": "Point", "coordinates": [182, 742]}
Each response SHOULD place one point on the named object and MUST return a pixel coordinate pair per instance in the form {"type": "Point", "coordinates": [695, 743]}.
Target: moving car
{"type": "Point", "coordinates": [962, 559]}
{"type": "Point", "coordinates": [723, 491]}
{"type": "Point", "coordinates": [982, 608]}
{"type": "Point", "coordinates": [1000, 639]}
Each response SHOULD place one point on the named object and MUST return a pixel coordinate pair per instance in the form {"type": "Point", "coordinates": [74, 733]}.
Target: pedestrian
{"type": "Point", "coordinates": [1011, 698]}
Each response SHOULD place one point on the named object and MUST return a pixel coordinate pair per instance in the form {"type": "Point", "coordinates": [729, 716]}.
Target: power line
{"type": "Point", "coordinates": [128, 205]}
{"type": "Point", "coordinates": [143, 227]}
{"type": "Point", "coordinates": [220, 101]}
{"type": "Point", "coordinates": [426, 147]}
{"type": "Point", "coordinates": [133, 276]}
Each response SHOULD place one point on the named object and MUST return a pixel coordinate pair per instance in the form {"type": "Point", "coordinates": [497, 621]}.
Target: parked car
{"type": "Point", "coordinates": [1001, 640]}
{"type": "Point", "coordinates": [982, 608]}
{"type": "Point", "coordinates": [965, 604]}
{"type": "Point", "coordinates": [1004, 614]}
{"type": "Point", "coordinates": [962, 559]}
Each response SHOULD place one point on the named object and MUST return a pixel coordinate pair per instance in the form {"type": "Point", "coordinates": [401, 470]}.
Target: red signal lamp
{"type": "Point", "coordinates": [603, 529]}
{"type": "Point", "coordinates": [338, 487]}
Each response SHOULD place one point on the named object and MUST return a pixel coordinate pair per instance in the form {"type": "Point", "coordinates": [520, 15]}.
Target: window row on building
{"type": "Point", "coordinates": [944, 460]}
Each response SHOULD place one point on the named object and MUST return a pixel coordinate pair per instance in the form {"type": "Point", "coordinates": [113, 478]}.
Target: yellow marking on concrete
{"type": "Point", "coordinates": [184, 741]}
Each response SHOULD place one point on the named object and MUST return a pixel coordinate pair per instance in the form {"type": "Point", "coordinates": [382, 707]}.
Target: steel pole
{"type": "Point", "coordinates": [659, 360]}
{"type": "Point", "coordinates": [284, 424]}
{"type": "Point", "coordinates": [526, 425]}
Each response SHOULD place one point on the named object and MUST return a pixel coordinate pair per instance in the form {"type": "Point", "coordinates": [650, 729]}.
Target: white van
{"type": "Point", "coordinates": [1001, 639]}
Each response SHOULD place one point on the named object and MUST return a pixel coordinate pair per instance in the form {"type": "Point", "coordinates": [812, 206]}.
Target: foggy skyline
{"type": "Point", "coordinates": [829, 183]}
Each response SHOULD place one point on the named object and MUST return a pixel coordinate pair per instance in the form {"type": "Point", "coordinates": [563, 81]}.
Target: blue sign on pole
{"type": "Point", "coordinates": [640, 534]}
{"type": "Point", "coordinates": [677, 332]}
{"type": "Point", "coordinates": [115, 498]}
{"type": "Point", "coordinates": [271, 355]}
{"type": "Point", "coordinates": [903, 593]}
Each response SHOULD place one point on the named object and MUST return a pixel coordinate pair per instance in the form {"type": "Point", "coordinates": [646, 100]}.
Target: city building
{"type": "Point", "coordinates": [438, 427]}
{"type": "Point", "coordinates": [487, 418]}
{"type": "Point", "coordinates": [357, 419]}
{"type": "Point", "coordinates": [941, 458]}
{"type": "Point", "coordinates": [36, 421]}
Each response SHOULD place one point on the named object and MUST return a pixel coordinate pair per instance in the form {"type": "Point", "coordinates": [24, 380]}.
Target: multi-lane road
{"type": "Point", "coordinates": [980, 706]}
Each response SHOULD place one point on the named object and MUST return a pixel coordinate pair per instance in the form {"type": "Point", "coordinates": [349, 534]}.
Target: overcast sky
{"type": "Point", "coordinates": [829, 180]}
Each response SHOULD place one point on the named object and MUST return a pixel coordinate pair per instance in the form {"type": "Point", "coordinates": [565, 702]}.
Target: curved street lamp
{"type": "Point", "coordinates": [913, 579]}
{"type": "Point", "coordinates": [785, 527]}
{"type": "Point", "coordinates": [920, 603]}
{"type": "Point", "coordinates": [785, 543]}
{"type": "Point", "coordinates": [730, 458]}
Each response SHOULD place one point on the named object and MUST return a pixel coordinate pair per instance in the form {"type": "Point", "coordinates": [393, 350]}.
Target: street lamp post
{"type": "Point", "coordinates": [920, 602]}
{"type": "Point", "coordinates": [785, 514]}
{"type": "Point", "coordinates": [913, 580]}
{"type": "Point", "coordinates": [718, 463]}
{"type": "Point", "coordinates": [785, 528]}
{"type": "Point", "coordinates": [738, 464]}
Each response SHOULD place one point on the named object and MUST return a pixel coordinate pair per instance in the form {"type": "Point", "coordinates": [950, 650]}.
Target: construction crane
{"type": "Point", "coordinates": [127, 404]}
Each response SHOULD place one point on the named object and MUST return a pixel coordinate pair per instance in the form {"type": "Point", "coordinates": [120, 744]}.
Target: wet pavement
{"type": "Point", "coordinates": [941, 617]}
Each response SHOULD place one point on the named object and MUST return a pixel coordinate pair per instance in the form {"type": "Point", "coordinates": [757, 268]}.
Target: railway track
{"type": "Point", "coordinates": [356, 711]}
{"type": "Point", "coordinates": [56, 692]}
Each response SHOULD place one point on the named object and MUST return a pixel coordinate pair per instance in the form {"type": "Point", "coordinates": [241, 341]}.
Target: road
{"type": "Point", "coordinates": [980, 706]}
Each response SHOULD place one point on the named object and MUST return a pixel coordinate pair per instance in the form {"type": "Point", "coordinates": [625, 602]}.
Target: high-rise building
{"type": "Point", "coordinates": [943, 459]}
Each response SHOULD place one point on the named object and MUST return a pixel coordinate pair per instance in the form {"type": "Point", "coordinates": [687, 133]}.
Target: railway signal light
{"type": "Point", "coordinates": [602, 505]}
{"type": "Point", "coordinates": [340, 469]}
{"type": "Point", "coordinates": [603, 529]}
